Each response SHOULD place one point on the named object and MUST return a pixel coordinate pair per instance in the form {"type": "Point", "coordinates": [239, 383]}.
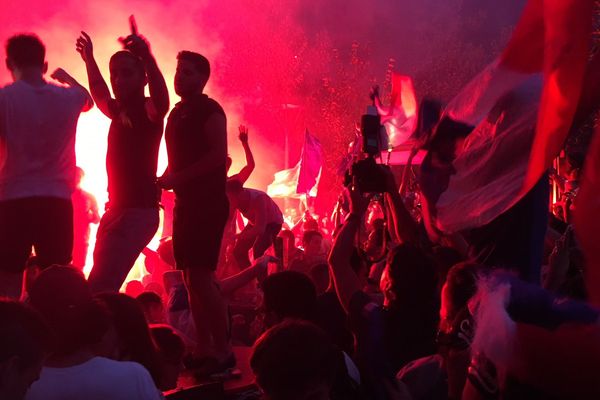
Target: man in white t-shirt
{"type": "Point", "coordinates": [264, 221]}
{"type": "Point", "coordinates": [81, 328]}
{"type": "Point", "coordinates": [98, 378]}
{"type": "Point", "coordinates": [38, 120]}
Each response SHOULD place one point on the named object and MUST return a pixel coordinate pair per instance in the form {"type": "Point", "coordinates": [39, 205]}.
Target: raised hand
{"type": "Point", "coordinates": [243, 134]}
{"type": "Point", "coordinates": [374, 92]}
{"type": "Point", "coordinates": [62, 76]}
{"type": "Point", "coordinates": [85, 47]}
{"type": "Point", "coordinates": [358, 202]}
{"type": "Point", "coordinates": [138, 45]}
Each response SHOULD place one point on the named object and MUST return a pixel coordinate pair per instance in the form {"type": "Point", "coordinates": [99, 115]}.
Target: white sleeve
{"type": "Point", "coordinates": [78, 96]}
{"type": "Point", "coordinates": [146, 389]}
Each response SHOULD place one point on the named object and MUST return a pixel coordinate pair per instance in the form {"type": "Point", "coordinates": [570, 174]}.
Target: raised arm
{"type": "Point", "coordinates": [63, 77]}
{"type": "Point", "coordinates": [231, 284]}
{"type": "Point", "coordinates": [158, 105]}
{"type": "Point", "coordinates": [346, 282]}
{"type": "Point", "coordinates": [405, 226]}
{"type": "Point", "coordinates": [245, 173]}
{"type": "Point", "coordinates": [374, 95]}
{"type": "Point", "coordinates": [98, 86]}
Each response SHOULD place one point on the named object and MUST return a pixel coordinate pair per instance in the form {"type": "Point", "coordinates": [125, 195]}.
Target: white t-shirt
{"type": "Point", "coordinates": [97, 379]}
{"type": "Point", "coordinates": [37, 139]}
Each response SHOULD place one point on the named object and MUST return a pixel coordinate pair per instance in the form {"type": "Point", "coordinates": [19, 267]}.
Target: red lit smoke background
{"type": "Point", "coordinates": [318, 57]}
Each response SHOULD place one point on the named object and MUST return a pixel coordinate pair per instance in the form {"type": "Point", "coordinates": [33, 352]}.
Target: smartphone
{"type": "Point", "coordinates": [133, 25]}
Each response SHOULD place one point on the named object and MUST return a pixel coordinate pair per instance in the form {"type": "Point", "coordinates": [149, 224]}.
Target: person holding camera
{"type": "Point", "coordinates": [404, 328]}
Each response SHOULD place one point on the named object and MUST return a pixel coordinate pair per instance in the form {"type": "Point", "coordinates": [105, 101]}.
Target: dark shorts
{"type": "Point", "coordinates": [46, 223]}
{"type": "Point", "coordinates": [197, 232]}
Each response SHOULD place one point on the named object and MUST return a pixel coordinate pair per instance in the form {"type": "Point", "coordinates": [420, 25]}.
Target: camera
{"type": "Point", "coordinates": [370, 129]}
{"type": "Point", "coordinates": [366, 174]}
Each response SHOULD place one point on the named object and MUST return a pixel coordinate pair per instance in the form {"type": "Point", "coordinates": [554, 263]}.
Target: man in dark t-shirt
{"type": "Point", "coordinates": [196, 137]}
{"type": "Point", "coordinates": [131, 217]}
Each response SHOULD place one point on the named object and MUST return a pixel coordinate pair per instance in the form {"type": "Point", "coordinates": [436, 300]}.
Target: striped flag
{"type": "Point", "coordinates": [302, 179]}
{"type": "Point", "coordinates": [518, 132]}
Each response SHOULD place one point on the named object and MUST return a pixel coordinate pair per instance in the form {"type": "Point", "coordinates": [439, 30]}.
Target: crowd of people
{"type": "Point", "coordinates": [381, 302]}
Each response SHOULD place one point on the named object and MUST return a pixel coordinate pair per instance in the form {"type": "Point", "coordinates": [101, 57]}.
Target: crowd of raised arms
{"type": "Point", "coordinates": [445, 282]}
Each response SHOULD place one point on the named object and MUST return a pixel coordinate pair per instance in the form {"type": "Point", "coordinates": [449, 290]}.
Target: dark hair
{"type": "Point", "coordinates": [234, 186]}
{"type": "Point", "coordinates": [307, 236]}
{"type": "Point", "coordinates": [139, 65]}
{"type": "Point", "coordinates": [289, 294]}
{"type": "Point", "coordinates": [292, 358]}
{"type": "Point", "coordinates": [171, 347]}
{"type": "Point", "coordinates": [461, 285]}
{"type": "Point", "coordinates": [446, 131]}
{"type": "Point", "coordinates": [311, 224]}
{"type": "Point", "coordinates": [23, 333]}
{"type": "Point", "coordinates": [287, 234]}
{"type": "Point", "coordinates": [201, 62]}
{"type": "Point", "coordinates": [148, 298]}
{"type": "Point", "coordinates": [357, 261]}
{"type": "Point", "coordinates": [25, 50]}
{"type": "Point", "coordinates": [129, 321]}
{"type": "Point", "coordinates": [63, 297]}
{"type": "Point", "coordinates": [413, 277]}
{"type": "Point", "coordinates": [445, 258]}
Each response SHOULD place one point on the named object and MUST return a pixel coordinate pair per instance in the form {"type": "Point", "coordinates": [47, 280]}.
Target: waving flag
{"type": "Point", "coordinates": [401, 116]}
{"type": "Point", "coordinates": [303, 179]}
{"type": "Point", "coordinates": [518, 130]}
{"type": "Point", "coordinates": [285, 183]}
{"type": "Point", "coordinates": [311, 163]}
{"type": "Point", "coordinates": [554, 37]}
{"type": "Point", "coordinates": [490, 166]}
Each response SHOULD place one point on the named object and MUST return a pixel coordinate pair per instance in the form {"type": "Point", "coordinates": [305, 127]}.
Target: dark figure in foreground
{"type": "Point", "coordinates": [37, 135]}
{"type": "Point", "coordinates": [196, 137]}
{"type": "Point", "coordinates": [131, 218]}
{"type": "Point", "coordinates": [23, 346]}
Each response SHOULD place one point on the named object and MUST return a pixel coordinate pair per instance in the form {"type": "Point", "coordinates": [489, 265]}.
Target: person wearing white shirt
{"type": "Point", "coordinates": [38, 121]}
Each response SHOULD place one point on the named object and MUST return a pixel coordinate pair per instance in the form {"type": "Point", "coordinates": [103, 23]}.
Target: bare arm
{"type": "Point", "coordinates": [245, 173]}
{"type": "Point", "coordinates": [98, 86]}
{"type": "Point", "coordinates": [233, 283]}
{"type": "Point", "coordinates": [63, 77]}
{"type": "Point", "coordinates": [374, 95]}
{"type": "Point", "coordinates": [347, 284]}
{"type": "Point", "coordinates": [158, 105]}
{"type": "Point", "coordinates": [404, 225]}
{"type": "Point", "coordinates": [407, 170]}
